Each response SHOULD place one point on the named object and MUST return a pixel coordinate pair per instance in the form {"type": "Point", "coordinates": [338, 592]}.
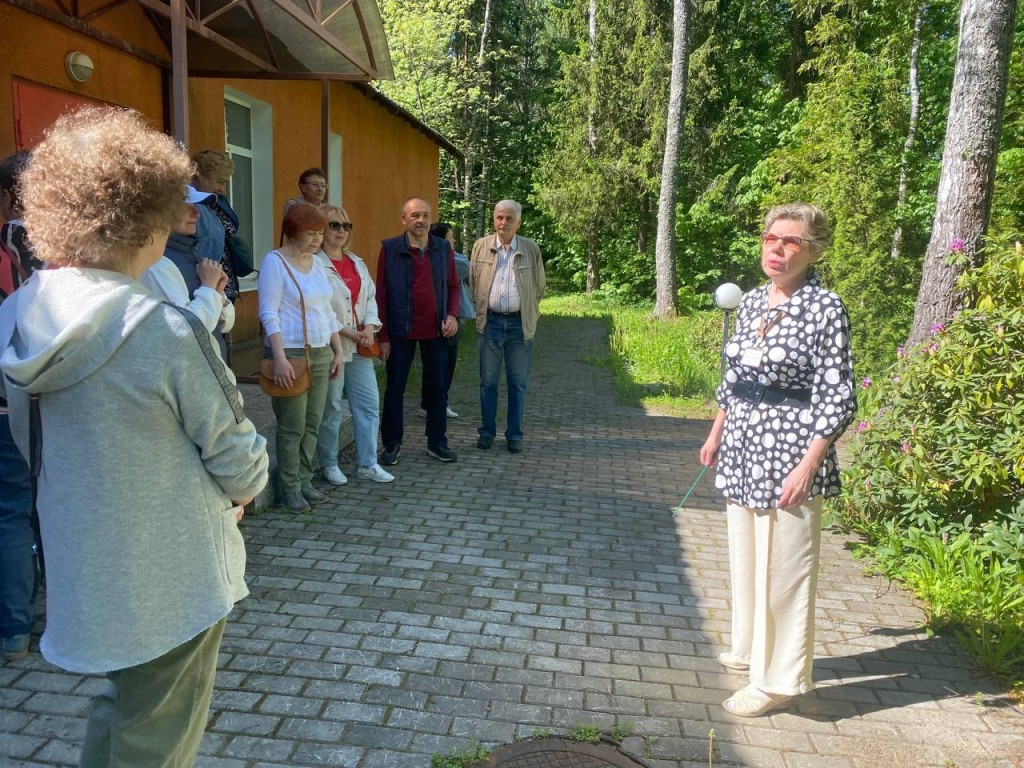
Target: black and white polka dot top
{"type": "Point", "coordinates": [806, 346]}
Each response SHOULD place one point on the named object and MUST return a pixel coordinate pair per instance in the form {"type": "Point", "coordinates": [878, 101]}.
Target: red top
{"type": "Point", "coordinates": [346, 269]}
{"type": "Point", "coordinates": [424, 323]}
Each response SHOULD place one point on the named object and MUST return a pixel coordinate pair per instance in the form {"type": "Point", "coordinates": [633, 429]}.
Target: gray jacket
{"type": "Point", "coordinates": [144, 446]}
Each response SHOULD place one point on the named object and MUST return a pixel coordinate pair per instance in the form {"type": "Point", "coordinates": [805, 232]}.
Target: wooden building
{"type": "Point", "coordinates": [282, 85]}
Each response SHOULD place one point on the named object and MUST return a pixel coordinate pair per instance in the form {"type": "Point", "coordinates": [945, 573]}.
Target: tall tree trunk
{"type": "Point", "coordinates": [908, 145]}
{"type": "Point", "coordinates": [592, 29]}
{"type": "Point", "coordinates": [593, 266]}
{"type": "Point", "coordinates": [593, 252]}
{"type": "Point", "coordinates": [471, 224]}
{"type": "Point", "coordinates": [969, 156]}
{"type": "Point", "coordinates": [796, 37]}
{"type": "Point", "coordinates": [665, 244]}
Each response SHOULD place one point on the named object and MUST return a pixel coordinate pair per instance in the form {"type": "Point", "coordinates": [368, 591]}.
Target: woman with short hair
{"type": "Point", "coordinates": [786, 396]}
{"type": "Point", "coordinates": [144, 559]}
{"type": "Point", "coordinates": [295, 310]}
{"type": "Point", "coordinates": [355, 304]}
{"type": "Point", "coordinates": [218, 222]}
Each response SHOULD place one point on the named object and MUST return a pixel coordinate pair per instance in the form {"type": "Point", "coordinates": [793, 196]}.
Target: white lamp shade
{"type": "Point", "coordinates": [78, 66]}
{"type": "Point", "coordinates": [727, 296]}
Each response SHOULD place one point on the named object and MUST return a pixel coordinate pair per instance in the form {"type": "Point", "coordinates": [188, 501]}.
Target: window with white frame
{"type": "Point", "coordinates": [249, 140]}
{"type": "Point", "coordinates": [334, 194]}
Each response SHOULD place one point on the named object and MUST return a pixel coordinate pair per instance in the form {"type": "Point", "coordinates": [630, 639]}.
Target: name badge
{"type": "Point", "coordinates": [752, 357]}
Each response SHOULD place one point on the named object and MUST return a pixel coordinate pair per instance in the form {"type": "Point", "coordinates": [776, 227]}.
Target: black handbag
{"type": "Point", "coordinates": [240, 253]}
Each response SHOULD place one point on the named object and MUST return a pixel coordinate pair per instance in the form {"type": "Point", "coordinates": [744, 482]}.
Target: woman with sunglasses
{"type": "Point", "coordinates": [786, 396]}
{"type": "Point", "coordinates": [355, 304]}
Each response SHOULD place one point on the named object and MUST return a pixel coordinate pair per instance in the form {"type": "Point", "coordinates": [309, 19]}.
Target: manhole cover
{"type": "Point", "coordinates": [560, 753]}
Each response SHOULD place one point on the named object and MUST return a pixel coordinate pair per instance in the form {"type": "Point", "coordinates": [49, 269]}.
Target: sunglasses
{"type": "Point", "coordinates": [337, 226]}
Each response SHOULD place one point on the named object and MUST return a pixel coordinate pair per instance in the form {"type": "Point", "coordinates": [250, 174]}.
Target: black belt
{"type": "Point", "coordinates": [756, 393]}
{"type": "Point", "coordinates": [503, 314]}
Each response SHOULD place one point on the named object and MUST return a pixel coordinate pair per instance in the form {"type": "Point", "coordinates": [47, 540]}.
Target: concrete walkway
{"type": "Point", "coordinates": [504, 597]}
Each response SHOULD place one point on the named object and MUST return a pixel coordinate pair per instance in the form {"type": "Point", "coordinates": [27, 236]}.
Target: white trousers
{"type": "Point", "coordinates": [773, 561]}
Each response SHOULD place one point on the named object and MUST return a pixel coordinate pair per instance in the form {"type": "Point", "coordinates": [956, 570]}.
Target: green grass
{"type": "Point", "coordinates": [671, 366]}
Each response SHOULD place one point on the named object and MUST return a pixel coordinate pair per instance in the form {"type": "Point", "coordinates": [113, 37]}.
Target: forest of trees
{"type": "Point", "coordinates": [562, 104]}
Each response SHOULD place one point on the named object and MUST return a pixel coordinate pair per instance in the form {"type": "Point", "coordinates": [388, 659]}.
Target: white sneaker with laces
{"type": "Point", "coordinates": [375, 473]}
{"type": "Point", "coordinates": [334, 476]}
{"type": "Point", "coordinates": [452, 414]}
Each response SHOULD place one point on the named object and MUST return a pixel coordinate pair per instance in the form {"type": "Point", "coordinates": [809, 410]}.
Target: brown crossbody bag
{"type": "Point", "coordinates": [301, 366]}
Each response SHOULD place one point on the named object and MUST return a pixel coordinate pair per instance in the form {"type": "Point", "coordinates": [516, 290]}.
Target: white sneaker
{"type": "Point", "coordinates": [334, 476]}
{"type": "Point", "coordinates": [375, 473]}
{"type": "Point", "coordinates": [452, 414]}
{"type": "Point", "coordinates": [423, 413]}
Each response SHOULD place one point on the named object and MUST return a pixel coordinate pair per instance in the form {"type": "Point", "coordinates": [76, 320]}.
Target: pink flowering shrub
{"type": "Point", "coordinates": [936, 477]}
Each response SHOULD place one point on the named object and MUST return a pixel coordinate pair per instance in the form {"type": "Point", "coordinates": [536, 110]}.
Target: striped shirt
{"type": "Point", "coordinates": [504, 295]}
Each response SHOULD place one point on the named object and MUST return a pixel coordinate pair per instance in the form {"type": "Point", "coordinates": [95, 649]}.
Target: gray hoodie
{"type": "Point", "coordinates": [144, 445]}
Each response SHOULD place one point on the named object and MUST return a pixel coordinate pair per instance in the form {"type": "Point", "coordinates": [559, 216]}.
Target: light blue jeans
{"type": "Point", "coordinates": [357, 383]}
{"type": "Point", "coordinates": [502, 342]}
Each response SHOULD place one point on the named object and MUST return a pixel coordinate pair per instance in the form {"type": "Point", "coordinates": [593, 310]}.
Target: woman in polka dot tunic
{"type": "Point", "coordinates": [786, 396]}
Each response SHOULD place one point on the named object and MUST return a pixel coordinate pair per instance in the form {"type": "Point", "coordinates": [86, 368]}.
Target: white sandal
{"type": "Point", "coordinates": [753, 702]}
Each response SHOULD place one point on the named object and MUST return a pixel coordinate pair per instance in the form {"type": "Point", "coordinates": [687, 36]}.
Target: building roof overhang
{"type": "Point", "coordinates": [327, 39]}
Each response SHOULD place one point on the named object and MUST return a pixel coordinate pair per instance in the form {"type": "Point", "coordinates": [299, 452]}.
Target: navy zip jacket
{"type": "Point", "coordinates": [394, 285]}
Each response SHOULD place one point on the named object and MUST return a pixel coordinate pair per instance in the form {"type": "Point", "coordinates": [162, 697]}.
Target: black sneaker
{"type": "Point", "coordinates": [390, 455]}
{"type": "Point", "coordinates": [484, 442]}
{"type": "Point", "coordinates": [441, 453]}
{"type": "Point", "coordinates": [515, 446]}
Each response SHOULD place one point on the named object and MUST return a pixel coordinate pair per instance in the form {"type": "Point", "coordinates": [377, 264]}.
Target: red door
{"type": "Point", "coordinates": [37, 107]}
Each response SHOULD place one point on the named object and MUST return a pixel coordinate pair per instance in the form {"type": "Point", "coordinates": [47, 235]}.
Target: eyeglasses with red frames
{"type": "Point", "coordinates": [337, 226]}
{"type": "Point", "coordinates": [791, 243]}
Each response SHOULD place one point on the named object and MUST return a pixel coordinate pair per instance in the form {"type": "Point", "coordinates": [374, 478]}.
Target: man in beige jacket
{"type": "Point", "coordinates": [507, 280]}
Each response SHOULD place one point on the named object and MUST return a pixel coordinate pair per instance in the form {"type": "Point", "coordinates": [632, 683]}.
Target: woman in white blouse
{"type": "Point", "coordinates": [355, 305]}
{"type": "Point", "coordinates": [285, 272]}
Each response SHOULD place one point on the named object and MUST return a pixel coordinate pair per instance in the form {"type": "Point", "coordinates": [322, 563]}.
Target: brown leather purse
{"type": "Point", "coordinates": [303, 373]}
{"type": "Point", "coordinates": [371, 351]}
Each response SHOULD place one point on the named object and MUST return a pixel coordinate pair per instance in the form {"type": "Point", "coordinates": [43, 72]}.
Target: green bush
{"type": "Point", "coordinates": [937, 474]}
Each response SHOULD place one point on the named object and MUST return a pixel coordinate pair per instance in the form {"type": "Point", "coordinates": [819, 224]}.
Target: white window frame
{"type": "Point", "coordinates": [262, 156]}
{"type": "Point", "coordinates": [335, 194]}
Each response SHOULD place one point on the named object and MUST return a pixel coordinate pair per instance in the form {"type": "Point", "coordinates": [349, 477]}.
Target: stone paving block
{"type": "Point", "coordinates": [293, 706]}
{"type": "Point", "coordinates": [326, 754]}
{"type": "Point", "coordinates": [240, 701]}
{"type": "Point", "coordinates": [252, 747]}
{"type": "Point", "coordinates": [19, 746]}
{"type": "Point", "coordinates": [304, 729]}
{"type": "Point", "coordinates": [56, 704]}
{"type": "Point", "coordinates": [245, 723]}
{"type": "Point", "coordinates": [349, 711]}
{"type": "Point", "coordinates": [419, 721]}
{"type": "Point", "coordinates": [60, 752]}
{"type": "Point", "coordinates": [52, 726]}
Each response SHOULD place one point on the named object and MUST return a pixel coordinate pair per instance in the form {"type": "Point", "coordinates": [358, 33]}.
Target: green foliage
{"type": "Point", "coordinates": [462, 757]}
{"type": "Point", "coordinates": [623, 730]}
{"type": "Point", "coordinates": [937, 477]}
{"type": "Point", "coordinates": [587, 732]}
{"type": "Point", "coordinates": [668, 363]}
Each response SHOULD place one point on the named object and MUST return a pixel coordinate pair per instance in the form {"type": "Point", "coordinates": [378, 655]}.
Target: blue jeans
{"type": "Point", "coordinates": [433, 353]}
{"type": "Point", "coordinates": [502, 340]}
{"type": "Point", "coordinates": [17, 563]}
{"type": "Point", "coordinates": [358, 384]}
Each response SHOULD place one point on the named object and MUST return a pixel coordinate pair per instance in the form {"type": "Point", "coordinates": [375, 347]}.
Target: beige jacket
{"type": "Point", "coordinates": [529, 270]}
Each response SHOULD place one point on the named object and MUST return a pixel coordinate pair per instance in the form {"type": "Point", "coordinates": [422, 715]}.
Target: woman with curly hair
{"type": "Point", "coordinates": [144, 556]}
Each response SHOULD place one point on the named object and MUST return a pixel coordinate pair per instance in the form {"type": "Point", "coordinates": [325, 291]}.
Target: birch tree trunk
{"type": "Point", "coordinates": [593, 254]}
{"type": "Point", "coordinates": [665, 244]}
{"type": "Point", "coordinates": [908, 145]}
{"type": "Point", "coordinates": [969, 156]}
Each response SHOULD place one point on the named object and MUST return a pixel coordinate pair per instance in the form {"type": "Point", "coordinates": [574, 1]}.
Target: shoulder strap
{"type": "Point", "coordinates": [302, 302]}
{"type": "Point", "coordinates": [35, 463]}
{"type": "Point", "coordinates": [217, 365]}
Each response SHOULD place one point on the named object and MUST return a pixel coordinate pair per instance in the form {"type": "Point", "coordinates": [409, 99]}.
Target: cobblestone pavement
{"type": "Point", "coordinates": [506, 596]}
